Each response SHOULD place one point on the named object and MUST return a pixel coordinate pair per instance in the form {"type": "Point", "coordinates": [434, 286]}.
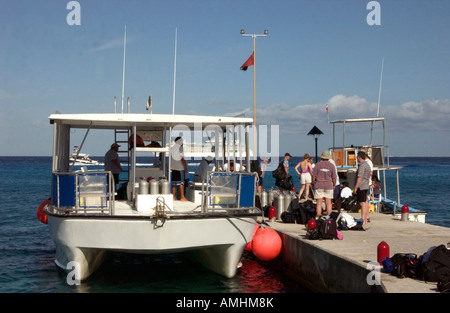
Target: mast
{"type": "Point", "coordinates": [379, 91]}
{"type": "Point", "coordinates": [174, 73]}
{"type": "Point", "coordinates": [123, 71]}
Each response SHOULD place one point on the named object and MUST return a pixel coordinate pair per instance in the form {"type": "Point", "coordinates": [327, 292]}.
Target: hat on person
{"type": "Point", "coordinates": [325, 155]}
{"type": "Point", "coordinates": [287, 154]}
{"type": "Point", "coordinates": [115, 145]}
{"type": "Point", "coordinates": [209, 158]}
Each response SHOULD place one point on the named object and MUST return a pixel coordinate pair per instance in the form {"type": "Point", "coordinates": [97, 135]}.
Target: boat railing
{"type": "Point", "coordinates": [229, 190]}
{"type": "Point", "coordinates": [81, 192]}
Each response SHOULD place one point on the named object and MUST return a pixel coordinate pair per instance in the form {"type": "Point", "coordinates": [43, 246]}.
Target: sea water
{"type": "Point", "coordinates": [27, 252]}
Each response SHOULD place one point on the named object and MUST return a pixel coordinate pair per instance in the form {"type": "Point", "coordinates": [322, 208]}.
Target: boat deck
{"type": "Point", "coordinates": [124, 208]}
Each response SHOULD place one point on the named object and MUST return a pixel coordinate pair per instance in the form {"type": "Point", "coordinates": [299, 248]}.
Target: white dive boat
{"type": "Point", "coordinates": [79, 158]}
{"type": "Point", "coordinates": [346, 163]}
{"type": "Point", "coordinates": [87, 219]}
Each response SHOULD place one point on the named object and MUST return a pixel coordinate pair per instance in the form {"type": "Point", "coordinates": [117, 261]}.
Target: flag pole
{"type": "Point", "coordinates": [266, 32]}
{"type": "Point", "coordinates": [254, 99]}
{"type": "Point", "coordinates": [123, 69]}
{"type": "Point", "coordinates": [174, 72]}
{"type": "Point", "coordinates": [254, 81]}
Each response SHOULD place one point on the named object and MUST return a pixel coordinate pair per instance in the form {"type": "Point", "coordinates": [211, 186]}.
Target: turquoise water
{"type": "Point", "coordinates": [27, 252]}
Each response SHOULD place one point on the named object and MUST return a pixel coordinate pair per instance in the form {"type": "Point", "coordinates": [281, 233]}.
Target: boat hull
{"type": "Point", "coordinates": [216, 242]}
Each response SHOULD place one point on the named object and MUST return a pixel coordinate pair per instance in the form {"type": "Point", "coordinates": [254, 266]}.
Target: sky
{"type": "Point", "coordinates": [317, 53]}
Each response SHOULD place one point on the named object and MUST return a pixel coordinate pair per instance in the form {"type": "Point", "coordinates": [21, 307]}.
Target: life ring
{"type": "Point", "coordinates": [41, 215]}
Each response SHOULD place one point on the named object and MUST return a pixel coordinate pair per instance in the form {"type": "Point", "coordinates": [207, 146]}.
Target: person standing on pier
{"type": "Point", "coordinates": [304, 175]}
{"type": "Point", "coordinates": [324, 180]}
{"type": "Point", "coordinates": [362, 185]}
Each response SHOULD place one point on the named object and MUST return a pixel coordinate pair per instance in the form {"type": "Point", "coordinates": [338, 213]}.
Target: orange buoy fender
{"type": "Point", "coordinates": [249, 246]}
{"type": "Point", "coordinates": [266, 244]}
{"type": "Point", "coordinates": [41, 215]}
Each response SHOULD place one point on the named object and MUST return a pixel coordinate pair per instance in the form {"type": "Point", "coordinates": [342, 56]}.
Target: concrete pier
{"type": "Point", "coordinates": [344, 265]}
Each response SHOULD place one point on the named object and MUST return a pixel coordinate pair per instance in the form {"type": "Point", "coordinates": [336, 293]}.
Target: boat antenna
{"type": "Point", "coordinates": [174, 73]}
{"type": "Point", "coordinates": [123, 71]}
{"type": "Point", "coordinates": [379, 91]}
{"type": "Point", "coordinates": [149, 104]}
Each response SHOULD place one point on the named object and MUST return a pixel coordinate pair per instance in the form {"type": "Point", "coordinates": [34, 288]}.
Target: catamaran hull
{"type": "Point", "coordinates": [217, 243]}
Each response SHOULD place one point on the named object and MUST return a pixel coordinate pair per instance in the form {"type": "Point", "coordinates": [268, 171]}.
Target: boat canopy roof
{"type": "Point", "coordinates": [359, 120]}
{"type": "Point", "coordinates": [119, 120]}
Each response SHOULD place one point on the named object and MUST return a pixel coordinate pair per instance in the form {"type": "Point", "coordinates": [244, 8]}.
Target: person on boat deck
{"type": "Point", "coordinates": [179, 168]}
{"type": "Point", "coordinates": [233, 166]}
{"type": "Point", "coordinates": [324, 179]}
{"type": "Point", "coordinates": [304, 175]}
{"type": "Point", "coordinates": [362, 185]}
{"type": "Point", "coordinates": [202, 169]}
{"type": "Point", "coordinates": [346, 191]}
{"type": "Point", "coordinates": [112, 162]}
{"type": "Point", "coordinates": [375, 188]}
{"type": "Point", "coordinates": [369, 161]}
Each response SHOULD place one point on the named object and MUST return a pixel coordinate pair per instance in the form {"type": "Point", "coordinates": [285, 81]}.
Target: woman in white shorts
{"type": "Point", "coordinates": [304, 175]}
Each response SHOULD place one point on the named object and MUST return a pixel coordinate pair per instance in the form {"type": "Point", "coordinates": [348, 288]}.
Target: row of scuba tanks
{"type": "Point", "coordinates": [282, 201]}
{"type": "Point", "coordinates": [153, 186]}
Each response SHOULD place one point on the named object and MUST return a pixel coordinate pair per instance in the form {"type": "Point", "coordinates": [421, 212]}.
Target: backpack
{"type": "Point", "coordinates": [315, 233]}
{"type": "Point", "coordinates": [305, 211]}
{"type": "Point", "coordinates": [325, 229]}
{"type": "Point", "coordinates": [286, 183]}
{"type": "Point", "coordinates": [288, 217]}
{"type": "Point", "coordinates": [351, 204]}
{"type": "Point", "coordinates": [347, 222]}
{"type": "Point", "coordinates": [435, 264]}
{"type": "Point", "coordinates": [443, 284]}
{"type": "Point", "coordinates": [329, 230]}
{"type": "Point", "coordinates": [279, 173]}
{"type": "Point", "coordinates": [404, 265]}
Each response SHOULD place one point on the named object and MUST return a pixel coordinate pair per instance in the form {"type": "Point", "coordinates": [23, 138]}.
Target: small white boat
{"type": "Point", "coordinates": [87, 219]}
{"type": "Point", "coordinates": [78, 158]}
{"type": "Point", "coordinates": [346, 164]}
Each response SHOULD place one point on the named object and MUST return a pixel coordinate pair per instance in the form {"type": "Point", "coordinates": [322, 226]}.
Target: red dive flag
{"type": "Point", "coordinates": [248, 63]}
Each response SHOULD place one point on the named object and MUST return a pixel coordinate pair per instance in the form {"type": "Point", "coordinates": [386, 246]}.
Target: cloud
{"type": "Point", "coordinates": [108, 45]}
{"type": "Point", "coordinates": [427, 115]}
{"type": "Point", "coordinates": [215, 101]}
